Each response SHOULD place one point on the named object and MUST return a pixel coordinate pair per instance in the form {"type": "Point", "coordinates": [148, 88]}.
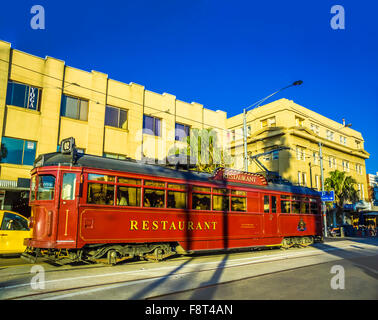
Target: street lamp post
{"type": "Point", "coordinates": [257, 104]}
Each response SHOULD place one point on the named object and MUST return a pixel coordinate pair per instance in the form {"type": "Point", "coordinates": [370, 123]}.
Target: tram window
{"type": "Point", "coordinates": [305, 207]}
{"type": "Point", "coordinates": [238, 204]}
{"type": "Point", "coordinates": [266, 204]}
{"type": "Point", "coordinates": [69, 184]}
{"type": "Point", "coordinates": [46, 187]}
{"type": "Point", "coordinates": [33, 187]}
{"type": "Point", "coordinates": [274, 204]}
{"type": "Point", "coordinates": [154, 183]}
{"type": "Point", "coordinates": [100, 193]}
{"type": "Point", "coordinates": [238, 192]}
{"type": "Point", "coordinates": [285, 206]}
{"type": "Point", "coordinates": [314, 208]}
{"type": "Point", "coordinates": [201, 189]}
{"type": "Point", "coordinates": [220, 203]}
{"type": "Point", "coordinates": [176, 186]}
{"type": "Point", "coordinates": [222, 191]}
{"type": "Point", "coordinates": [201, 201]}
{"type": "Point", "coordinates": [295, 206]}
{"type": "Point", "coordinates": [128, 196]}
{"type": "Point", "coordinates": [176, 199]}
{"type": "Point", "coordinates": [100, 177]}
{"type": "Point", "coordinates": [128, 180]}
{"type": "Point", "coordinates": [154, 198]}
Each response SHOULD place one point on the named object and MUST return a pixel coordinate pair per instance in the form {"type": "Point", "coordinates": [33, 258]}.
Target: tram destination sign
{"type": "Point", "coordinates": [231, 175]}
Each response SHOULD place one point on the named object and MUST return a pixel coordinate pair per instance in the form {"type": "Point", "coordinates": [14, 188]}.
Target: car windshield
{"type": "Point", "coordinates": [14, 222]}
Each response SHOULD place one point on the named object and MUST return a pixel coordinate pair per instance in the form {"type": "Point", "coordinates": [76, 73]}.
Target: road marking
{"type": "Point", "coordinates": [229, 263]}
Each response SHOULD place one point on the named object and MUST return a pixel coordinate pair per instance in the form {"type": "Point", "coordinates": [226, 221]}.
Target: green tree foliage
{"type": "Point", "coordinates": [203, 150]}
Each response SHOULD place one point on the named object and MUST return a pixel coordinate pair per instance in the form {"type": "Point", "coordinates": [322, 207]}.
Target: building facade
{"type": "Point", "coordinates": [42, 101]}
{"type": "Point", "coordinates": [284, 123]}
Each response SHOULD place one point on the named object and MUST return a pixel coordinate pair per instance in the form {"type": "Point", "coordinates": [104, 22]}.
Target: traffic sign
{"type": "Point", "coordinates": [328, 195]}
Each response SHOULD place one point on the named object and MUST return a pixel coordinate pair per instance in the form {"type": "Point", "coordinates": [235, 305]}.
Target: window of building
{"type": "Point", "coordinates": [115, 117]}
{"type": "Point", "coordinates": [358, 168]}
{"type": "Point", "coordinates": [299, 121]}
{"type": "Point", "coordinates": [18, 151]}
{"type": "Point", "coordinates": [301, 155]}
{"type": "Point", "coordinates": [343, 140]}
{"type": "Point", "coordinates": [269, 122]}
{"type": "Point", "coordinates": [74, 108]}
{"type": "Point", "coordinates": [182, 131]}
{"type": "Point", "coordinates": [332, 162]}
{"type": "Point", "coordinates": [151, 125]}
{"type": "Point", "coordinates": [46, 187]}
{"type": "Point", "coordinates": [22, 95]}
{"type": "Point", "coordinates": [302, 178]}
{"type": "Point", "coordinates": [314, 128]}
{"type": "Point", "coordinates": [330, 135]}
{"type": "Point", "coordinates": [114, 156]}
{"type": "Point", "coordinates": [361, 191]}
{"type": "Point", "coordinates": [317, 182]}
{"type": "Point", "coordinates": [315, 156]}
{"type": "Point", "coordinates": [358, 144]}
{"type": "Point", "coordinates": [345, 165]}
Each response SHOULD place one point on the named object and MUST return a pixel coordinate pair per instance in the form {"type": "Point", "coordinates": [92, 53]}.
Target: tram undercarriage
{"type": "Point", "coordinates": [115, 253]}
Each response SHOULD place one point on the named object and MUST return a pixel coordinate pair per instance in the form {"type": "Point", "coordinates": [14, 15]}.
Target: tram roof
{"type": "Point", "coordinates": [138, 167]}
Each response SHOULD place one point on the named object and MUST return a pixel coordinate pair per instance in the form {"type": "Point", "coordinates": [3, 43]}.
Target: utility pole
{"type": "Point", "coordinates": [256, 105]}
{"type": "Point", "coordinates": [322, 179]}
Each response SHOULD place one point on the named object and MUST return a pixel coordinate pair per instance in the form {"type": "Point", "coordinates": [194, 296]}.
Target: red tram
{"type": "Point", "coordinates": [89, 208]}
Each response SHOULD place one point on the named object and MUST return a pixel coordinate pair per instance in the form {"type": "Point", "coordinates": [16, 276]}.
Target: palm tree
{"type": "Point", "coordinates": [345, 190]}
{"type": "Point", "coordinates": [202, 147]}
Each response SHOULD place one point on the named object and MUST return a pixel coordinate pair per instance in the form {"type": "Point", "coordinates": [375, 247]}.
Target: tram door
{"type": "Point", "coordinates": [270, 215]}
{"type": "Point", "coordinates": [68, 213]}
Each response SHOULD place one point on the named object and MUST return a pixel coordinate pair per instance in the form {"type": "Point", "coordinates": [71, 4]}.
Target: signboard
{"type": "Point", "coordinates": [327, 195]}
{"type": "Point", "coordinates": [231, 175]}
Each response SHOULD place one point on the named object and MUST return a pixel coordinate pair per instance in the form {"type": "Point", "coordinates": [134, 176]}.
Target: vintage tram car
{"type": "Point", "coordinates": [90, 208]}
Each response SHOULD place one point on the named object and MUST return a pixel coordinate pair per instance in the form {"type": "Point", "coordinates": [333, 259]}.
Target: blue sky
{"type": "Point", "coordinates": [222, 54]}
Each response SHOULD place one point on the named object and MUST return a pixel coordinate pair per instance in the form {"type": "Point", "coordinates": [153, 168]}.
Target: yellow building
{"type": "Point", "coordinates": [43, 101]}
{"type": "Point", "coordinates": [284, 123]}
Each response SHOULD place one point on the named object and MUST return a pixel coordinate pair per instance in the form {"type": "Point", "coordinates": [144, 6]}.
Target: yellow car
{"type": "Point", "coordinates": [14, 228]}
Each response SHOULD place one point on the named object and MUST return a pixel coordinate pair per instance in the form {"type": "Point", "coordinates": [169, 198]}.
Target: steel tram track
{"type": "Point", "coordinates": [40, 295]}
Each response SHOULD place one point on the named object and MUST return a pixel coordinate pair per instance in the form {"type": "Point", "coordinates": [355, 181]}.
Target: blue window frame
{"type": "Point", "coordinates": [22, 95]}
{"type": "Point", "coordinates": [181, 131]}
{"type": "Point", "coordinates": [151, 125]}
{"type": "Point", "coordinates": [18, 151]}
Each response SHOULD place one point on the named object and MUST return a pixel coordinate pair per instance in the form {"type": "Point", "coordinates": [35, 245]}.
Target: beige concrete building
{"type": "Point", "coordinates": [284, 123]}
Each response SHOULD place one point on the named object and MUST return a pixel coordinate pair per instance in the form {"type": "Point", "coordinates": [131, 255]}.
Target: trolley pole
{"type": "Point", "coordinates": [322, 179]}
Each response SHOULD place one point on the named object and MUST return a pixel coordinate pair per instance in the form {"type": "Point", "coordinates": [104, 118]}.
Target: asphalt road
{"type": "Point", "coordinates": [336, 269]}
